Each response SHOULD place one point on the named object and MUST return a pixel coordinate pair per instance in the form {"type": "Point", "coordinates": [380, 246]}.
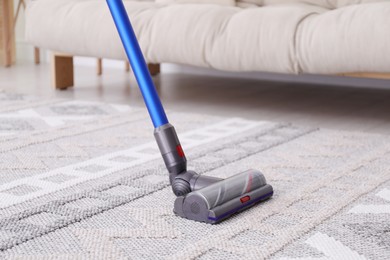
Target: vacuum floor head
{"type": "Point", "coordinates": [204, 198]}
{"type": "Point", "coordinates": [224, 198]}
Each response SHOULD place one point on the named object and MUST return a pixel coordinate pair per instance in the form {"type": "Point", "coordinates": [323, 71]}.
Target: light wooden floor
{"type": "Point", "coordinates": [345, 108]}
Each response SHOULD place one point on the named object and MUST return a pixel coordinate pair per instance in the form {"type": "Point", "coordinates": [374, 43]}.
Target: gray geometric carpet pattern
{"type": "Point", "coordinates": [84, 180]}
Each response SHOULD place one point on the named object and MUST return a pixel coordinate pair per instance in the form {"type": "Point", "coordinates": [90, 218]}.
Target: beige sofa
{"type": "Point", "coordinates": [347, 37]}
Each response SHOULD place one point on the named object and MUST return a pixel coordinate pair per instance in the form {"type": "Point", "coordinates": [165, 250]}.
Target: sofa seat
{"type": "Point", "coordinates": [285, 38]}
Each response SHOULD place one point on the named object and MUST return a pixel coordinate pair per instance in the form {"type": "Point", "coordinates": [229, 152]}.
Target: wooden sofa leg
{"type": "Point", "coordinates": [154, 68]}
{"type": "Point", "coordinates": [99, 66]}
{"type": "Point", "coordinates": [7, 37]}
{"type": "Point", "coordinates": [37, 57]}
{"type": "Point", "coordinates": [62, 71]}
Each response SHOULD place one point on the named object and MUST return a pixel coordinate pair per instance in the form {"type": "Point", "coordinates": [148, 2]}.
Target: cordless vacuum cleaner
{"type": "Point", "coordinates": [201, 198]}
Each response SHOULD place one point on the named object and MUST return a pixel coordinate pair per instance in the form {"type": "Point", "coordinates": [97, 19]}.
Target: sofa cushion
{"type": "Point", "coordinates": [289, 38]}
{"type": "Point", "coordinates": [260, 39]}
{"type": "Point", "coordinates": [352, 39]}
{"type": "Point", "coordinates": [228, 38]}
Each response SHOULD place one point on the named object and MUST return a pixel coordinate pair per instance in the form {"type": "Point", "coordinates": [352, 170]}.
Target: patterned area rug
{"type": "Point", "coordinates": [84, 180]}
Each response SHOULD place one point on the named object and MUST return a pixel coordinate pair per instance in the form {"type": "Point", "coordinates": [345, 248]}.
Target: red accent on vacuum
{"type": "Point", "coordinates": [245, 199]}
{"type": "Point", "coordinates": [180, 151]}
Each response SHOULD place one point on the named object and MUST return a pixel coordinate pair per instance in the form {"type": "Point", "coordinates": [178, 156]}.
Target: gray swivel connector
{"type": "Point", "coordinates": [181, 184]}
{"type": "Point", "coordinates": [170, 148]}
{"type": "Point", "coordinates": [174, 159]}
{"type": "Point", "coordinates": [182, 181]}
{"type": "Point", "coordinates": [189, 181]}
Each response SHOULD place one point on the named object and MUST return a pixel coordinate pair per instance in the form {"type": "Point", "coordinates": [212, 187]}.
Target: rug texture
{"type": "Point", "coordinates": [84, 180]}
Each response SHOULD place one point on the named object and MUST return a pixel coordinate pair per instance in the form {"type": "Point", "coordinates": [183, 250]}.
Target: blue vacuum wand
{"type": "Point", "coordinates": [201, 198]}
